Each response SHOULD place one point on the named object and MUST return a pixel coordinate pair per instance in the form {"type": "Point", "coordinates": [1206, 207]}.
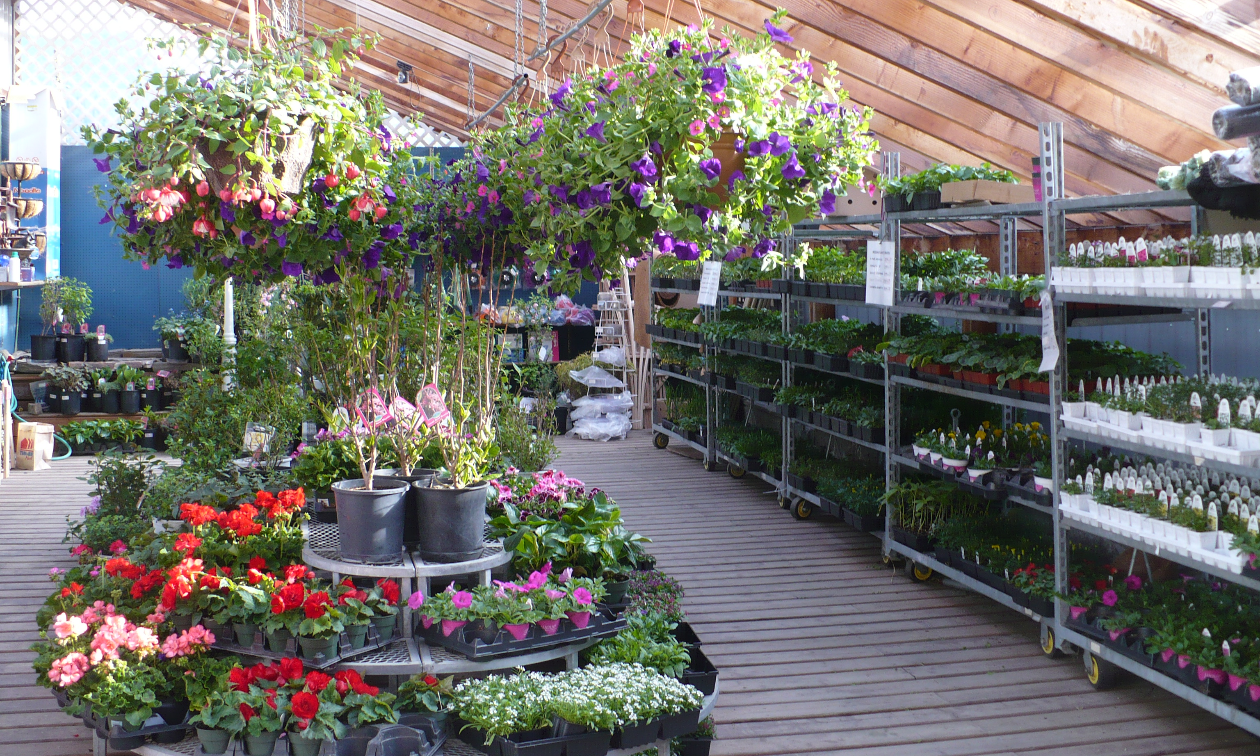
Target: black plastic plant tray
{"type": "Point", "coordinates": [661, 728]}
{"type": "Point", "coordinates": [991, 491]}
{"type": "Point", "coordinates": [920, 543]}
{"type": "Point", "coordinates": [799, 288]}
{"type": "Point", "coordinates": [701, 673]}
{"type": "Point", "coordinates": [603, 624]}
{"type": "Point", "coordinates": [292, 649]}
{"type": "Point", "coordinates": [533, 743]}
{"type": "Point", "coordinates": [116, 732]}
{"type": "Point", "coordinates": [654, 330]}
{"type": "Point", "coordinates": [683, 632]}
{"type": "Point", "coordinates": [780, 286]}
{"type": "Point", "coordinates": [868, 523]}
{"type": "Point", "coordinates": [830, 507]}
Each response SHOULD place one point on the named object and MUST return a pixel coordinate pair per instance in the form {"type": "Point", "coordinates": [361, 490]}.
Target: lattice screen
{"type": "Point", "coordinates": [93, 50]}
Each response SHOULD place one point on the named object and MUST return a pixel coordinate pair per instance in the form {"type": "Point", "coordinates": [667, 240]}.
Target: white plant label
{"type": "Point", "coordinates": [1049, 341]}
{"type": "Point", "coordinates": [881, 266]}
{"type": "Point", "coordinates": [710, 280]}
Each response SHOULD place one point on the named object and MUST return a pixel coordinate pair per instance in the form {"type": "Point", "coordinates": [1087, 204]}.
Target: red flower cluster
{"type": "Point", "coordinates": [240, 522]}
{"type": "Point", "coordinates": [348, 679]}
{"type": "Point", "coordinates": [146, 584]}
{"type": "Point", "coordinates": [288, 598]}
{"type": "Point", "coordinates": [211, 581]}
{"type": "Point", "coordinates": [73, 588]}
{"type": "Point", "coordinates": [180, 581]}
{"type": "Point", "coordinates": [389, 590]}
{"type": "Point", "coordinates": [350, 592]}
{"type": "Point", "coordinates": [317, 681]}
{"type": "Point", "coordinates": [304, 705]}
{"type": "Point", "coordinates": [283, 671]}
{"type": "Point", "coordinates": [282, 504]}
{"type": "Point", "coordinates": [316, 605]}
{"type": "Point", "coordinates": [197, 515]}
{"type": "Point", "coordinates": [296, 572]}
{"type": "Point", "coordinates": [186, 542]}
{"type": "Point", "coordinates": [122, 567]}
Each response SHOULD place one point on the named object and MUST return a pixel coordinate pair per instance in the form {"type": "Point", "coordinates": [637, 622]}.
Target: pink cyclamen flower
{"type": "Point", "coordinates": [1133, 582]}
{"type": "Point", "coordinates": [696, 128]}
{"type": "Point", "coordinates": [69, 627]}
{"type": "Point", "coordinates": [565, 576]}
{"type": "Point", "coordinates": [1110, 598]}
{"type": "Point", "coordinates": [415, 600]}
{"type": "Point", "coordinates": [69, 669]}
{"type": "Point", "coordinates": [582, 596]}
{"type": "Point", "coordinates": [462, 599]}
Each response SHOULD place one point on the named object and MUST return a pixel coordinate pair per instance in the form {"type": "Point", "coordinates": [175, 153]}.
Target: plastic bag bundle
{"type": "Point", "coordinates": [602, 428]}
{"type": "Point", "coordinates": [602, 404]}
{"type": "Point", "coordinates": [614, 355]}
{"type": "Point", "coordinates": [596, 377]}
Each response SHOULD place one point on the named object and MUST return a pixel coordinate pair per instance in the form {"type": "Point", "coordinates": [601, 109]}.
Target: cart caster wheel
{"type": "Point", "coordinates": [660, 441]}
{"type": "Point", "coordinates": [1049, 645]}
{"type": "Point", "coordinates": [918, 573]}
{"type": "Point", "coordinates": [801, 509]}
{"type": "Point", "coordinates": [1101, 674]}
{"type": "Point", "coordinates": [784, 502]}
{"type": "Point", "coordinates": [710, 466]}
{"type": "Point", "coordinates": [735, 471]}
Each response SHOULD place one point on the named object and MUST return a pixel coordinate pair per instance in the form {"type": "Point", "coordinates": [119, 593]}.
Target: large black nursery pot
{"type": "Point", "coordinates": [70, 347]}
{"type": "Point", "coordinates": [452, 522]}
{"type": "Point", "coordinates": [97, 351]}
{"type": "Point", "coordinates": [92, 401]}
{"type": "Point", "coordinates": [109, 402]}
{"type": "Point", "coordinates": [129, 402]}
{"type": "Point", "coordinates": [176, 351]}
{"type": "Point", "coordinates": [43, 348]}
{"type": "Point", "coordinates": [419, 478]}
{"type": "Point", "coordinates": [371, 522]}
{"type": "Point", "coordinates": [151, 399]}
{"type": "Point", "coordinates": [71, 403]}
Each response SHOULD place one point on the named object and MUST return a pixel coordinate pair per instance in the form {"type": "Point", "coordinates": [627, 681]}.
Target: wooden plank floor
{"type": "Point", "coordinates": [33, 511]}
{"type": "Point", "coordinates": [824, 650]}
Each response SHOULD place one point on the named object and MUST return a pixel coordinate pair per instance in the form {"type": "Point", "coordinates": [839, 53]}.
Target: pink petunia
{"type": "Point", "coordinates": [582, 596]}
{"type": "Point", "coordinates": [415, 600]}
{"type": "Point", "coordinates": [1133, 582]}
{"type": "Point", "coordinates": [1110, 598]}
{"type": "Point", "coordinates": [462, 599]}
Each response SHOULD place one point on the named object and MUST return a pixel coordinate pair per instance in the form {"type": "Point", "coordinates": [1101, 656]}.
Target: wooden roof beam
{"type": "Point", "coordinates": [1228, 22]}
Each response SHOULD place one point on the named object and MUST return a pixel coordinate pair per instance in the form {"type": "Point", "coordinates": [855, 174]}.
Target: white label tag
{"type": "Point", "coordinates": [710, 280]}
{"type": "Point", "coordinates": [881, 264]}
{"type": "Point", "coordinates": [1049, 341]}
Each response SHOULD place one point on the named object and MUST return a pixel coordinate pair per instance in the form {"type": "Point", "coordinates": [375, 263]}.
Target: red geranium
{"type": "Point", "coordinates": [317, 681]}
{"type": "Point", "coordinates": [277, 604]}
{"type": "Point", "coordinates": [247, 712]}
{"type": "Point", "coordinates": [145, 584]}
{"type": "Point", "coordinates": [258, 563]}
{"type": "Point", "coordinates": [240, 679]}
{"type": "Point", "coordinates": [288, 502]}
{"type": "Point", "coordinates": [268, 672]}
{"type": "Point", "coordinates": [305, 705]}
{"type": "Point", "coordinates": [186, 542]}
{"type": "Point", "coordinates": [430, 680]}
{"type": "Point", "coordinates": [292, 595]}
{"type": "Point", "coordinates": [122, 567]}
{"type": "Point", "coordinates": [296, 572]}
{"type": "Point", "coordinates": [349, 679]}
{"type": "Point", "coordinates": [197, 514]}
{"type": "Point", "coordinates": [316, 605]}
{"type": "Point", "coordinates": [291, 668]}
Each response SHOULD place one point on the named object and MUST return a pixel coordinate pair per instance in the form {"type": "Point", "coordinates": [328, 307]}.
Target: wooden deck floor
{"type": "Point", "coordinates": [824, 650]}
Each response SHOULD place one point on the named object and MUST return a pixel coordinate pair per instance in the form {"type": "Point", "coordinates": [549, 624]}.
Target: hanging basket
{"type": "Point", "coordinates": [289, 164]}
{"type": "Point", "coordinates": [732, 160]}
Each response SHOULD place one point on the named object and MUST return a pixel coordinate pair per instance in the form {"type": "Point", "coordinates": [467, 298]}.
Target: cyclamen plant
{"type": "Point", "coordinates": [691, 145]}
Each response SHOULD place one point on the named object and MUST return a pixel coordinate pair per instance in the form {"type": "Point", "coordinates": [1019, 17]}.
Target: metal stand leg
{"type": "Point", "coordinates": [662, 748]}
{"type": "Point", "coordinates": [571, 660]}
{"type": "Point", "coordinates": [406, 608]}
{"type": "Point", "coordinates": [99, 745]}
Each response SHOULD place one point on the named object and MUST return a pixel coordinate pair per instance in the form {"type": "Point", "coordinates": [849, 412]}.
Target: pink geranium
{"type": "Point", "coordinates": [69, 627]}
{"type": "Point", "coordinates": [69, 669]}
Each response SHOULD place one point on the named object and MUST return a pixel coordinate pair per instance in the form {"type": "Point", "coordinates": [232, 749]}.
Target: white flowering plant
{"type": "Point", "coordinates": [503, 705]}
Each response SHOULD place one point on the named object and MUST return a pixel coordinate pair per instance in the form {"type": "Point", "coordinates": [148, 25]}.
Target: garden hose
{"type": "Point", "coordinates": [13, 407]}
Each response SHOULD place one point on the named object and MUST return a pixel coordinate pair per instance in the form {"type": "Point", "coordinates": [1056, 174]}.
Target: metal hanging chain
{"type": "Point", "coordinates": [472, 105]}
{"type": "Point", "coordinates": [518, 53]}
{"type": "Point", "coordinates": [544, 80]}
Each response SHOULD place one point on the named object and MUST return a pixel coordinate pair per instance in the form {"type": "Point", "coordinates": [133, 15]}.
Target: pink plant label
{"type": "Point", "coordinates": [1254, 692]}
{"type": "Point", "coordinates": [83, 328]}
{"type": "Point", "coordinates": [65, 328]}
{"type": "Point", "coordinates": [432, 405]}
{"type": "Point", "coordinates": [426, 622]}
{"type": "Point", "coordinates": [1235, 682]}
{"type": "Point", "coordinates": [372, 410]}
{"type": "Point", "coordinates": [164, 374]}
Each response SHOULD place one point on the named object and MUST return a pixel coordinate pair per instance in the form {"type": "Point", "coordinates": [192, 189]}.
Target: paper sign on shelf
{"type": "Point", "coordinates": [710, 280]}
{"type": "Point", "coordinates": [881, 265]}
{"type": "Point", "coordinates": [1049, 340]}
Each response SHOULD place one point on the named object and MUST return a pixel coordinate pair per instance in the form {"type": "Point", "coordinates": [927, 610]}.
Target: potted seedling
{"type": "Point", "coordinates": [98, 345]}
{"type": "Point", "coordinates": [96, 380]}
{"type": "Point", "coordinates": [75, 302]}
{"type": "Point", "coordinates": [151, 393]}
{"type": "Point", "coordinates": [106, 383]}
{"type": "Point", "coordinates": [173, 329]}
{"type": "Point", "coordinates": [69, 383]}
{"type": "Point", "coordinates": [44, 344]}
{"type": "Point", "coordinates": [130, 380]}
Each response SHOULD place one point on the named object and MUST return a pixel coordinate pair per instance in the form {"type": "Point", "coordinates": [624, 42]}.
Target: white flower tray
{"type": "Point", "coordinates": [1218, 283]}
{"type": "Point", "coordinates": [1166, 280]}
{"type": "Point", "coordinates": [1123, 282]}
{"type": "Point", "coordinates": [1072, 280]}
{"type": "Point", "coordinates": [1210, 548]}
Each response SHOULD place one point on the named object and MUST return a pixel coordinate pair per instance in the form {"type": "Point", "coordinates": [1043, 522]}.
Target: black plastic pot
{"type": "Point", "coordinates": [129, 402]}
{"type": "Point", "coordinates": [694, 746]}
{"type": "Point", "coordinates": [175, 350]}
{"type": "Point", "coordinates": [452, 522]}
{"type": "Point", "coordinates": [69, 348]}
{"type": "Point", "coordinates": [53, 400]}
{"type": "Point", "coordinates": [43, 348]}
{"type": "Point", "coordinates": [411, 521]}
{"type": "Point", "coordinates": [926, 201]}
{"type": "Point", "coordinates": [371, 522]}
{"type": "Point", "coordinates": [151, 399]}
{"type": "Point", "coordinates": [97, 351]}
{"type": "Point", "coordinates": [154, 438]}
{"type": "Point", "coordinates": [71, 403]}
{"type": "Point", "coordinates": [173, 712]}
{"type": "Point", "coordinates": [562, 420]}
{"type": "Point", "coordinates": [92, 401]}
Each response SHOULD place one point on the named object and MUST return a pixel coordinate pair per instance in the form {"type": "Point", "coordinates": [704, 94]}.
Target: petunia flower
{"type": "Point", "coordinates": [645, 167]}
{"type": "Point", "coordinates": [638, 192]}
{"type": "Point", "coordinates": [714, 79]}
{"type": "Point", "coordinates": [696, 128]}
{"type": "Point", "coordinates": [827, 205]}
{"type": "Point", "coordinates": [792, 169]}
{"type": "Point", "coordinates": [711, 168]}
{"type": "Point", "coordinates": [779, 144]}
{"type": "Point", "coordinates": [291, 268]}
{"type": "Point", "coordinates": [102, 164]}
{"type": "Point", "coordinates": [663, 241]}
{"type": "Point", "coordinates": [1110, 598]}
{"type": "Point", "coordinates": [777, 34]}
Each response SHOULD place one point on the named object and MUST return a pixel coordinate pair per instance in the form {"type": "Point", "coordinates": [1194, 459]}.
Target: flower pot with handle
{"type": "Point", "coordinates": [371, 522]}
{"type": "Point", "coordinates": [213, 741]}
{"type": "Point", "coordinates": [452, 522]}
{"type": "Point", "coordinates": [43, 348]}
{"type": "Point", "coordinates": [419, 478]}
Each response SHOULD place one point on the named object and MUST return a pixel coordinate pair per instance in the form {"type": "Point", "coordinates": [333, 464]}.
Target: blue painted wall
{"type": "Point", "coordinates": [125, 297]}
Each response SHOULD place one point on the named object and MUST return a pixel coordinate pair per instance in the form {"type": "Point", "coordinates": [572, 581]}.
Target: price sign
{"type": "Point", "coordinates": [1049, 340]}
{"type": "Point", "coordinates": [710, 279]}
{"type": "Point", "coordinates": [881, 267]}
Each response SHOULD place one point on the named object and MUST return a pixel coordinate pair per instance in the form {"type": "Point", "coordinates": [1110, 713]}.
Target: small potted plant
{"type": "Point", "coordinates": [75, 301]}
{"type": "Point", "coordinates": [366, 705]}
{"type": "Point", "coordinates": [44, 344]}
{"type": "Point", "coordinates": [151, 393]}
{"type": "Point", "coordinates": [451, 608]}
{"type": "Point", "coordinates": [70, 383]}
{"type": "Point", "coordinates": [246, 607]}
{"type": "Point", "coordinates": [263, 719]}
{"type": "Point", "coordinates": [173, 329]}
{"type": "Point", "coordinates": [319, 632]}
{"type": "Point", "coordinates": [382, 601]}
{"type": "Point", "coordinates": [216, 717]}
{"type": "Point", "coordinates": [130, 380]}
{"type": "Point", "coordinates": [127, 695]}
{"type": "Point", "coordinates": [312, 717]}
{"type": "Point", "coordinates": [355, 614]}
{"type": "Point", "coordinates": [696, 743]}
{"type": "Point", "coordinates": [425, 697]}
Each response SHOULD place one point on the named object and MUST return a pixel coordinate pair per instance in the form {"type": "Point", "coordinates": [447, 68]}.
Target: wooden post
{"type": "Point", "coordinates": [252, 8]}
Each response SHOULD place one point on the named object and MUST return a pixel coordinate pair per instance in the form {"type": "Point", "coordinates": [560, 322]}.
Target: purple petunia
{"type": "Point", "coordinates": [247, 239]}
{"type": "Point", "coordinates": [596, 131]}
{"type": "Point", "coordinates": [557, 97]}
{"type": "Point", "coordinates": [827, 205]}
{"type": "Point", "coordinates": [282, 240]}
{"type": "Point", "coordinates": [711, 168]}
{"type": "Point", "coordinates": [736, 175]}
{"type": "Point", "coordinates": [735, 254]}
{"type": "Point", "coordinates": [702, 212]}
{"type": "Point", "coordinates": [686, 250]}
{"type": "Point", "coordinates": [803, 69]}
{"type": "Point", "coordinates": [291, 268]}
{"type": "Point", "coordinates": [372, 257]}
{"type": "Point", "coordinates": [413, 240]}
{"type": "Point", "coordinates": [392, 231]}
{"type": "Point", "coordinates": [675, 47]}
{"type": "Point", "coordinates": [714, 79]}
{"type": "Point", "coordinates": [227, 213]}
{"type": "Point", "coordinates": [777, 34]}
{"type": "Point", "coordinates": [227, 262]}
{"type": "Point", "coordinates": [175, 262]}
{"type": "Point", "coordinates": [602, 193]}
{"type": "Point", "coordinates": [792, 168]}
{"type": "Point", "coordinates": [759, 148]}
{"type": "Point", "coordinates": [645, 167]}
{"type": "Point", "coordinates": [663, 241]}
{"type": "Point", "coordinates": [102, 165]}
{"type": "Point", "coordinates": [638, 193]}
{"type": "Point", "coordinates": [529, 196]}
{"type": "Point", "coordinates": [763, 246]}
{"type": "Point", "coordinates": [388, 191]}
{"type": "Point", "coordinates": [779, 144]}
{"type": "Point", "coordinates": [584, 199]}
{"type": "Point", "coordinates": [583, 255]}
{"type": "Point", "coordinates": [332, 234]}
{"type": "Point", "coordinates": [561, 192]}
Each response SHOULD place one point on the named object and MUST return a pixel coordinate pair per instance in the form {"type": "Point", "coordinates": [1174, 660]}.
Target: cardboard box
{"type": "Point", "coordinates": [857, 202]}
{"type": "Point", "coordinates": [988, 192]}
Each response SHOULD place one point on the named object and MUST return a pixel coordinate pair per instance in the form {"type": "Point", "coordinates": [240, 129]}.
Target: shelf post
{"type": "Point", "coordinates": [890, 230]}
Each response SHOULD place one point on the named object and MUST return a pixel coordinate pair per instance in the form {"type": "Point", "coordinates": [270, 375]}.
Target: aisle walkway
{"type": "Point", "coordinates": [824, 650]}
{"type": "Point", "coordinates": [33, 510]}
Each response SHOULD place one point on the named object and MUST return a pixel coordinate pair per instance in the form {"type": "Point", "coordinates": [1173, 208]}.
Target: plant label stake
{"type": "Point", "coordinates": [432, 405]}
{"type": "Point", "coordinates": [257, 438]}
{"type": "Point", "coordinates": [881, 265]}
{"type": "Point", "coordinates": [100, 334]}
{"type": "Point", "coordinates": [372, 410]}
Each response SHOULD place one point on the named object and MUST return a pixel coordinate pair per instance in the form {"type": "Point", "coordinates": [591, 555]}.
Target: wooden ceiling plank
{"type": "Point", "coordinates": [1105, 65]}
{"type": "Point", "coordinates": [1229, 23]}
{"type": "Point", "coordinates": [1159, 39]}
